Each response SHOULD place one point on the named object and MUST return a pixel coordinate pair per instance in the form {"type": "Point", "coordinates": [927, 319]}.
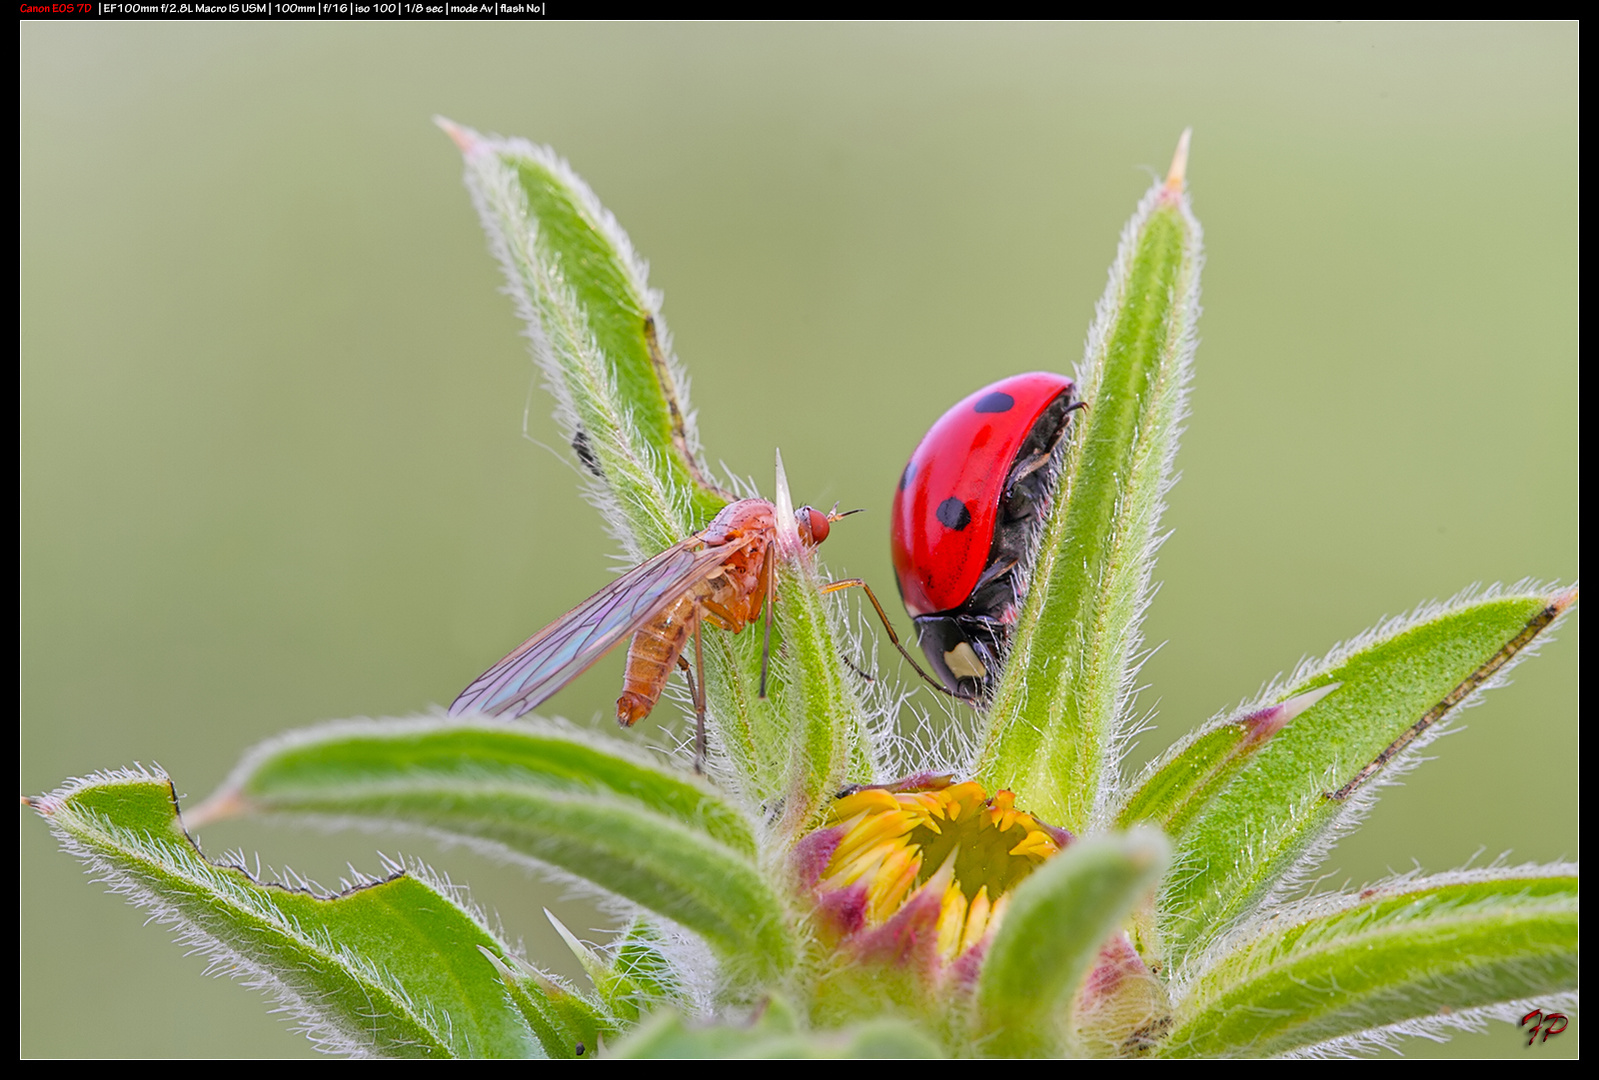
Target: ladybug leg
{"type": "Point", "coordinates": [837, 586]}
{"type": "Point", "coordinates": [1024, 469]}
{"type": "Point", "coordinates": [996, 570]}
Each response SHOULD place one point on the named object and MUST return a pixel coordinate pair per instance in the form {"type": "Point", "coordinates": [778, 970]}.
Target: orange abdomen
{"type": "Point", "coordinates": [731, 596]}
{"type": "Point", "coordinates": [650, 660]}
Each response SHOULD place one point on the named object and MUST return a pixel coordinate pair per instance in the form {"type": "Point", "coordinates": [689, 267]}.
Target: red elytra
{"type": "Point", "coordinates": [966, 514]}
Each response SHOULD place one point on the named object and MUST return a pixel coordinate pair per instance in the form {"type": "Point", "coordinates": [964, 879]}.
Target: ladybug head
{"type": "Point", "coordinates": [815, 525]}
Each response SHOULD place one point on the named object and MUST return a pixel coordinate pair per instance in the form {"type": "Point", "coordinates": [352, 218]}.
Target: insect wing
{"type": "Point", "coordinates": [570, 645]}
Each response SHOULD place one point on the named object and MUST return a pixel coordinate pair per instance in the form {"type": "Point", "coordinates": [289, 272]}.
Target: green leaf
{"type": "Point", "coordinates": [1421, 953]}
{"type": "Point", "coordinates": [1276, 818]}
{"type": "Point", "coordinates": [828, 744]}
{"type": "Point", "coordinates": [567, 1024]}
{"type": "Point", "coordinates": [598, 337]}
{"type": "Point", "coordinates": [774, 1034]}
{"type": "Point", "coordinates": [751, 731]}
{"type": "Point", "coordinates": [1063, 699]}
{"type": "Point", "coordinates": [1200, 765]}
{"type": "Point", "coordinates": [643, 968]}
{"type": "Point", "coordinates": [809, 737]}
{"type": "Point", "coordinates": [659, 839]}
{"type": "Point", "coordinates": [352, 759]}
{"type": "Point", "coordinates": [619, 995]}
{"type": "Point", "coordinates": [389, 968]}
{"type": "Point", "coordinates": [1057, 920]}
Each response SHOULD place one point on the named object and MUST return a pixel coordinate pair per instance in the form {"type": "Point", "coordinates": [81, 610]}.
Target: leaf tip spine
{"type": "Point", "coordinates": [225, 803]}
{"type": "Point", "coordinates": [584, 954]}
{"type": "Point", "coordinates": [1177, 175]}
{"type": "Point", "coordinates": [787, 526]}
{"type": "Point", "coordinates": [465, 139]}
{"type": "Point", "coordinates": [1560, 601]}
{"type": "Point", "coordinates": [1265, 723]}
{"type": "Point", "coordinates": [499, 965]}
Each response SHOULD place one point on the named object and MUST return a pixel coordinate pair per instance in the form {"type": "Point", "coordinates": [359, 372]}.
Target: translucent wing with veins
{"type": "Point", "coordinates": [569, 646]}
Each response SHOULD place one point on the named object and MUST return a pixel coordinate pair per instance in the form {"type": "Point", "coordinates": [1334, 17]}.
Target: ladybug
{"type": "Point", "coordinates": [968, 510]}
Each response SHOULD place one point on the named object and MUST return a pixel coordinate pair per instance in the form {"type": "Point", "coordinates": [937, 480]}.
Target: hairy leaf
{"type": "Point", "coordinates": [827, 730]}
{"type": "Point", "coordinates": [657, 838]}
{"type": "Point", "coordinates": [1059, 706]}
{"type": "Point", "coordinates": [1425, 951]}
{"type": "Point", "coordinates": [598, 336]}
{"type": "Point", "coordinates": [1274, 820]}
{"type": "Point", "coordinates": [774, 1034]}
{"type": "Point", "coordinates": [1201, 765]}
{"type": "Point", "coordinates": [350, 759]}
{"type": "Point", "coordinates": [568, 1025]}
{"type": "Point", "coordinates": [1057, 921]}
{"type": "Point", "coordinates": [388, 967]}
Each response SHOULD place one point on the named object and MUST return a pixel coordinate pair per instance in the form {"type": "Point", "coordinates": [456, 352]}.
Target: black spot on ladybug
{"type": "Point", "coordinates": [998, 401]}
{"type": "Point", "coordinates": [952, 514]}
{"type": "Point", "coordinates": [905, 477]}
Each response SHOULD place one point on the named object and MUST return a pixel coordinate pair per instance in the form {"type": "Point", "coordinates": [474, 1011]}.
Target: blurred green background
{"type": "Point", "coordinates": [272, 463]}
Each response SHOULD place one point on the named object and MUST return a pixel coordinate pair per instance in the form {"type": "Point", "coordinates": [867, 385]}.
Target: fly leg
{"type": "Point", "coordinates": [697, 687]}
{"type": "Point", "coordinates": [688, 673]}
{"type": "Point", "coordinates": [866, 676]}
{"type": "Point", "coordinates": [696, 691]}
{"type": "Point", "coordinates": [837, 586]}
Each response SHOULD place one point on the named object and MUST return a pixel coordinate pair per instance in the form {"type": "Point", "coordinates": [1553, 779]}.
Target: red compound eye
{"type": "Point", "coordinates": [820, 526]}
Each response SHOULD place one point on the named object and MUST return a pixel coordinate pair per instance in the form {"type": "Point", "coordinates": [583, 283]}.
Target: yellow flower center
{"type": "Point", "coordinates": [955, 843]}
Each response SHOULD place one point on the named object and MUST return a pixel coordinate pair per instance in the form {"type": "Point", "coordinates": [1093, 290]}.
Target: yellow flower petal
{"type": "Point", "coordinates": [1035, 843]}
{"type": "Point", "coordinates": [976, 919]}
{"type": "Point", "coordinates": [889, 837]}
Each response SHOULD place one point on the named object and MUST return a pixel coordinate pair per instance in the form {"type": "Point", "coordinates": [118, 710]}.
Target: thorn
{"type": "Point", "coordinates": [499, 965]}
{"type": "Point", "coordinates": [1177, 174]}
{"type": "Point", "coordinates": [227, 803]}
{"type": "Point", "coordinates": [1264, 723]}
{"type": "Point", "coordinates": [788, 541]}
{"type": "Point", "coordinates": [465, 139]}
{"type": "Point", "coordinates": [585, 955]}
{"type": "Point", "coordinates": [1563, 599]}
{"type": "Point", "coordinates": [1300, 702]}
